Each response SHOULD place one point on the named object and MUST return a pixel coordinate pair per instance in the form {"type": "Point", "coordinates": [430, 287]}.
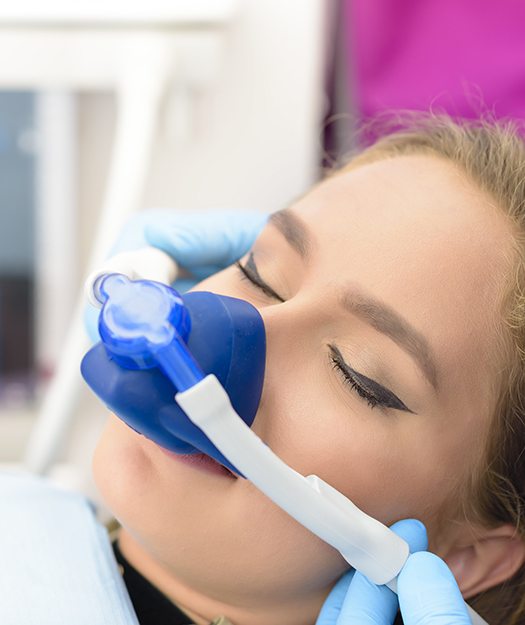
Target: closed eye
{"type": "Point", "coordinates": [375, 394]}
{"type": "Point", "coordinates": [367, 389]}
{"type": "Point", "coordinates": [249, 272]}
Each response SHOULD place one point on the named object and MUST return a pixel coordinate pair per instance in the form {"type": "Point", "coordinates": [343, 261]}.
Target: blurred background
{"type": "Point", "coordinates": [186, 104]}
{"type": "Point", "coordinates": [196, 104]}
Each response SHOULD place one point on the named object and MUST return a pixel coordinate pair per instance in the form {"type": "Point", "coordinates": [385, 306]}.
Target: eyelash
{"type": "Point", "coordinates": [246, 274]}
{"type": "Point", "coordinates": [337, 364]}
{"type": "Point", "coordinates": [335, 359]}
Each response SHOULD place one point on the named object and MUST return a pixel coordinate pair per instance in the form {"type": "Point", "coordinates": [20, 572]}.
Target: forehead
{"type": "Point", "coordinates": [416, 233]}
{"type": "Point", "coordinates": [428, 194]}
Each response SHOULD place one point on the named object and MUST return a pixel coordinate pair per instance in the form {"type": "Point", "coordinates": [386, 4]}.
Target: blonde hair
{"type": "Point", "coordinates": [492, 155]}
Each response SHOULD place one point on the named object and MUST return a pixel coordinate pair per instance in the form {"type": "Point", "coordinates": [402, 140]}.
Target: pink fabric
{"type": "Point", "coordinates": [464, 56]}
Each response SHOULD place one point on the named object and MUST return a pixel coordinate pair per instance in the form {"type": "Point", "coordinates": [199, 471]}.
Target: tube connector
{"type": "Point", "coordinates": [147, 263]}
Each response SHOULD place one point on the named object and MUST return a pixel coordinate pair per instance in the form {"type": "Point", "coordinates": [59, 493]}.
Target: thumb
{"type": "Point", "coordinates": [377, 605]}
{"type": "Point", "coordinates": [332, 606]}
{"type": "Point", "coordinates": [214, 238]}
{"type": "Point", "coordinates": [429, 594]}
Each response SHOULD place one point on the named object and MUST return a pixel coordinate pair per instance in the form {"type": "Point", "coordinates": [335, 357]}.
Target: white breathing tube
{"type": "Point", "coordinates": [365, 543]}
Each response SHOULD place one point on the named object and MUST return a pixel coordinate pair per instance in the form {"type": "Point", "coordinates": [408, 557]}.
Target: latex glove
{"type": "Point", "coordinates": [202, 243]}
{"type": "Point", "coordinates": [354, 595]}
{"type": "Point", "coordinates": [428, 593]}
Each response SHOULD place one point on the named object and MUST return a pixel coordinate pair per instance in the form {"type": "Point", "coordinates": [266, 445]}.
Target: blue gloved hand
{"type": "Point", "coordinates": [201, 243]}
{"type": "Point", "coordinates": [428, 593]}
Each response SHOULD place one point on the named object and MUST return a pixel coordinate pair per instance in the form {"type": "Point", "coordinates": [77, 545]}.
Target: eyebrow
{"type": "Point", "coordinates": [371, 310]}
{"type": "Point", "coordinates": [389, 322]}
{"type": "Point", "coordinates": [294, 231]}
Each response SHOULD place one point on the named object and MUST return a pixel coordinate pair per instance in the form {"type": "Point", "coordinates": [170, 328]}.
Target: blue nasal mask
{"type": "Point", "coordinates": [156, 343]}
{"type": "Point", "coordinates": [187, 372]}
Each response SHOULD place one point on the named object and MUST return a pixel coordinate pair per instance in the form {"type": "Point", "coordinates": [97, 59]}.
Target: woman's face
{"type": "Point", "coordinates": [394, 268]}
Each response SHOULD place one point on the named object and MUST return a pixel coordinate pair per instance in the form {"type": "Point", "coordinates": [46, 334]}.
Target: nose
{"type": "Point", "coordinates": [292, 328]}
{"type": "Point", "coordinates": [292, 341]}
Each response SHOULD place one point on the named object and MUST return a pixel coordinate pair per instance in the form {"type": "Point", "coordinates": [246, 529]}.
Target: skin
{"type": "Point", "coordinates": [417, 235]}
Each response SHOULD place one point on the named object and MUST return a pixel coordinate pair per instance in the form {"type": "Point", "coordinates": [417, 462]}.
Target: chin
{"type": "Point", "coordinates": [123, 471]}
{"type": "Point", "coordinates": [164, 506]}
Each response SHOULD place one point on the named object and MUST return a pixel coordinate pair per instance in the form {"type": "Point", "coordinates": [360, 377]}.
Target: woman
{"type": "Point", "coordinates": [392, 299]}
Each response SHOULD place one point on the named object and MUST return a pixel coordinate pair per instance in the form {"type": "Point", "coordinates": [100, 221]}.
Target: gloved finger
{"type": "Point", "coordinates": [413, 532]}
{"type": "Point", "coordinates": [367, 603]}
{"type": "Point", "coordinates": [131, 237]}
{"type": "Point", "coordinates": [220, 236]}
{"type": "Point", "coordinates": [428, 592]}
{"type": "Point", "coordinates": [332, 606]}
{"type": "Point", "coordinates": [213, 238]}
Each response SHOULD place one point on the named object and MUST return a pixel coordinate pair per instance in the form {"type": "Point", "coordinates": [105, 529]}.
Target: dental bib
{"type": "Point", "coordinates": [58, 566]}
{"type": "Point", "coordinates": [187, 372]}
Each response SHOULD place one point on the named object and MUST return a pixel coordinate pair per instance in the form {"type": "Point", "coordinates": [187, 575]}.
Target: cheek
{"type": "Point", "coordinates": [193, 523]}
{"type": "Point", "coordinates": [389, 465]}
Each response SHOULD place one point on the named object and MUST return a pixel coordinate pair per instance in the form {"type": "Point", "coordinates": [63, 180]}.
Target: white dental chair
{"type": "Point", "coordinates": [58, 566]}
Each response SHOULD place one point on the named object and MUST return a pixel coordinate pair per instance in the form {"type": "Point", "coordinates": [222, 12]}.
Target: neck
{"type": "Point", "coordinates": [203, 609]}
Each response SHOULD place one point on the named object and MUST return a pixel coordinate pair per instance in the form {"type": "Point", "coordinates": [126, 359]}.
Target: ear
{"type": "Point", "coordinates": [488, 559]}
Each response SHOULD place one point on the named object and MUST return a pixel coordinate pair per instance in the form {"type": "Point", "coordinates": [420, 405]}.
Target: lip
{"type": "Point", "coordinates": [201, 462]}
